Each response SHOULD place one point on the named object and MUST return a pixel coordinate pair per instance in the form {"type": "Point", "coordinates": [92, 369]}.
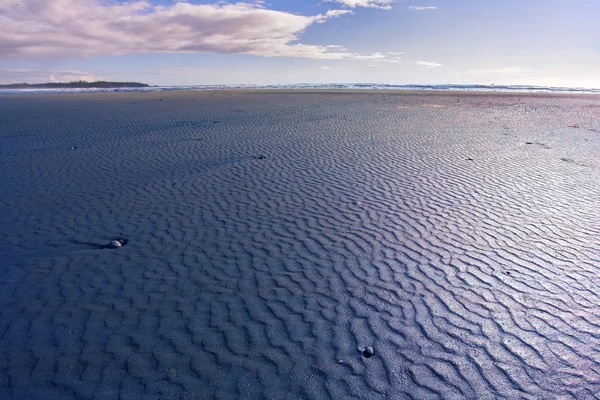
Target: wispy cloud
{"type": "Point", "coordinates": [17, 71]}
{"type": "Point", "coordinates": [420, 8]}
{"type": "Point", "coordinates": [372, 57]}
{"type": "Point", "coordinates": [496, 71]}
{"type": "Point", "coordinates": [383, 4]}
{"type": "Point", "coordinates": [428, 64]}
{"type": "Point", "coordinates": [29, 75]}
{"type": "Point", "coordinates": [181, 71]}
{"type": "Point", "coordinates": [83, 28]}
{"type": "Point", "coordinates": [388, 57]}
{"type": "Point", "coordinates": [325, 67]}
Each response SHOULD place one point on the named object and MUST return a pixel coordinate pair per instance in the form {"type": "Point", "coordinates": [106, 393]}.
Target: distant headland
{"type": "Point", "coordinates": [74, 85]}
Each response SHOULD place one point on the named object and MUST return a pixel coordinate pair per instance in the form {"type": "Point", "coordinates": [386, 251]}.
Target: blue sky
{"type": "Point", "coordinates": [164, 42]}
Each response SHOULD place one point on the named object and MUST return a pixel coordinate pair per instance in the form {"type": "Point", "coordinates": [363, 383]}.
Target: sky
{"type": "Point", "coordinates": [194, 42]}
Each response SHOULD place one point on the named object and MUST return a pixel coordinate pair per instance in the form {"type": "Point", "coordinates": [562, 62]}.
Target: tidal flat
{"type": "Point", "coordinates": [299, 244]}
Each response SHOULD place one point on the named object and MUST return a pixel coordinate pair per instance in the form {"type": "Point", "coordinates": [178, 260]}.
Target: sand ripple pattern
{"type": "Point", "coordinates": [458, 235]}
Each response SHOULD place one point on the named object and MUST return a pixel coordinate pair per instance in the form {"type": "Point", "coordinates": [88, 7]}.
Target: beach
{"type": "Point", "coordinates": [269, 237]}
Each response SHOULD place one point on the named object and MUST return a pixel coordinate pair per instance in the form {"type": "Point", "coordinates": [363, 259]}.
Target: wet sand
{"type": "Point", "coordinates": [270, 237]}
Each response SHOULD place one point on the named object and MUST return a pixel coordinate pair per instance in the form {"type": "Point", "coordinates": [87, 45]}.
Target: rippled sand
{"type": "Point", "coordinates": [271, 237]}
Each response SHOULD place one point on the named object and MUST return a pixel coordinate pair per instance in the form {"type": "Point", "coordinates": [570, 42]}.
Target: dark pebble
{"type": "Point", "coordinates": [261, 157]}
{"type": "Point", "coordinates": [368, 353]}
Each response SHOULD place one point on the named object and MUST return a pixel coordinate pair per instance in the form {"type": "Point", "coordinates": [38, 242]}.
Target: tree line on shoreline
{"type": "Point", "coordinates": [73, 85]}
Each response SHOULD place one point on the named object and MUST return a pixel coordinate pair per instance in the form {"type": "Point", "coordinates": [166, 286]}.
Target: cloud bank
{"type": "Point", "coordinates": [83, 28]}
{"type": "Point", "coordinates": [35, 76]}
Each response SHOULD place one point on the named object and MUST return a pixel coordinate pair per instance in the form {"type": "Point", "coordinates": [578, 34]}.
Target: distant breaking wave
{"type": "Point", "coordinates": [329, 86]}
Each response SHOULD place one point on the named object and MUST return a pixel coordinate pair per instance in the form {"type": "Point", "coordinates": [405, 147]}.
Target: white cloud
{"type": "Point", "coordinates": [495, 71]}
{"type": "Point", "coordinates": [428, 64]}
{"type": "Point", "coordinates": [333, 14]}
{"type": "Point", "coordinates": [83, 28]}
{"type": "Point", "coordinates": [384, 4]}
{"type": "Point", "coordinates": [420, 8]}
{"type": "Point", "coordinates": [389, 57]}
{"type": "Point", "coordinates": [325, 67]}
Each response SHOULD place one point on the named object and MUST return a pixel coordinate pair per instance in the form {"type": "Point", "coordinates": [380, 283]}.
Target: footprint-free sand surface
{"type": "Point", "coordinates": [268, 238]}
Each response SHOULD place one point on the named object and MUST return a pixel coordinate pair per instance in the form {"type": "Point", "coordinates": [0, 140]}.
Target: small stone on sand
{"type": "Point", "coordinates": [115, 244]}
{"type": "Point", "coordinates": [368, 353]}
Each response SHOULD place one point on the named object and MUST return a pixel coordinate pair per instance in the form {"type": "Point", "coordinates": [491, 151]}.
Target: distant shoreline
{"type": "Point", "coordinates": [363, 88]}
{"type": "Point", "coordinates": [74, 85]}
{"type": "Point", "coordinates": [168, 93]}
